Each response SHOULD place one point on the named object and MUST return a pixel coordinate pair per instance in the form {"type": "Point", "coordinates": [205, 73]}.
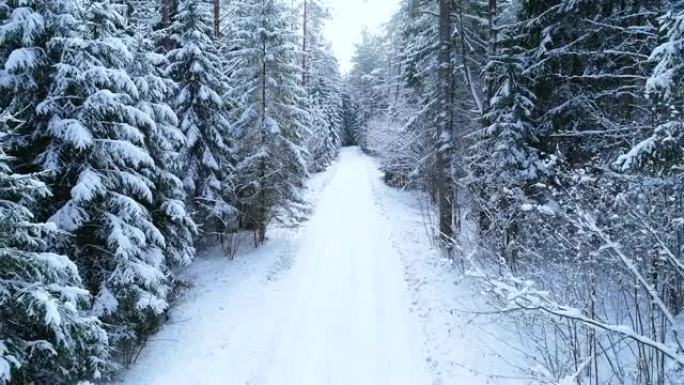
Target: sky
{"type": "Point", "coordinates": [349, 17]}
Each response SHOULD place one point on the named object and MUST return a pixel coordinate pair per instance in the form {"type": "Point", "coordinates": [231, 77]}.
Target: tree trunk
{"type": "Point", "coordinates": [465, 62]}
{"type": "Point", "coordinates": [217, 19]}
{"type": "Point", "coordinates": [262, 210]}
{"type": "Point", "coordinates": [304, 44]}
{"type": "Point", "coordinates": [166, 22]}
{"type": "Point", "coordinates": [491, 52]}
{"type": "Point", "coordinates": [444, 123]}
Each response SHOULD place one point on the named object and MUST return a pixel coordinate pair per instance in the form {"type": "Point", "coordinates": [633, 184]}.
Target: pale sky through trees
{"type": "Point", "coordinates": [349, 17]}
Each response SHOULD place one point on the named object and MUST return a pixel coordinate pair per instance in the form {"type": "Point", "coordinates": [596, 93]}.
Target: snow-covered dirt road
{"type": "Point", "coordinates": [326, 304]}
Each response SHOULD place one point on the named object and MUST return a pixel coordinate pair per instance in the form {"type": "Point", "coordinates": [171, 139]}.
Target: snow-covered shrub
{"type": "Point", "coordinates": [397, 148]}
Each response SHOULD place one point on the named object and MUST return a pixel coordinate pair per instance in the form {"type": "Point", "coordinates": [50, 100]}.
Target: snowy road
{"type": "Point", "coordinates": [327, 304]}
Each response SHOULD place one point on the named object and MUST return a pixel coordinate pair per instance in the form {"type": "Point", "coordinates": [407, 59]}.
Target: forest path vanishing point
{"type": "Point", "coordinates": [331, 308]}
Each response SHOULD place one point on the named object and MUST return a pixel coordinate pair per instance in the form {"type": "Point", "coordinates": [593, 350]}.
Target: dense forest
{"type": "Point", "coordinates": [549, 136]}
{"type": "Point", "coordinates": [546, 137]}
{"type": "Point", "coordinates": [133, 133]}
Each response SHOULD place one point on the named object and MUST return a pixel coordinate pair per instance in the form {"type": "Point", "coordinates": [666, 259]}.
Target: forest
{"type": "Point", "coordinates": [544, 137]}
{"type": "Point", "coordinates": [134, 133]}
{"type": "Point", "coordinates": [548, 135]}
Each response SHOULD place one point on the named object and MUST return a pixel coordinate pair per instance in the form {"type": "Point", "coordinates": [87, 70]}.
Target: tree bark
{"type": "Point", "coordinates": [444, 121]}
{"type": "Point", "coordinates": [166, 13]}
{"type": "Point", "coordinates": [217, 19]}
{"type": "Point", "coordinates": [304, 43]}
{"type": "Point", "coordinates": [166, 22]}
{"type": "Point", "coordinates": [491, 52]}
{"type": "Point", "coordinates": [263, 202]}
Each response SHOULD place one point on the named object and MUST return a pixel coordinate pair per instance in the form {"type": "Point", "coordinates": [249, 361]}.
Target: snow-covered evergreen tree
{"type": "Point", "coordinates": [29, 32]}
{"type": "Point", "coordinates": [325, 140]}
{"type": "Point", "coordinates": [272, 122]}
{"type": "Point", "coordinates": [102, 185]}
{"type": "Point", "coordinates": [549, 99]}
{"type": "Point", "coordinates": [661, 149]}
{"type": "Point", "coordinates": [350, 119]}
{"type": "Point", "coordinates": [367, 82]}
{"type": "Point", "coordinates": [163, 140]}
{"type": "Point", "coordinates": [507, 161]}
{"type": "Point", "coordinates": [512, 132]}
{"type": "Point", "coordinates": [46, 336]}
{"type": "Point", "coordinates": [207, 158]}
{"type": "Point", "coordinates": [323, 84]}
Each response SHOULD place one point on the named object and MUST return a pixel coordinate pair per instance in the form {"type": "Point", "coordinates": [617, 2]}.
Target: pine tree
{"type": "Point", "coordinates": [45, 335]}
{"type": "Point", "coordinates": [272, 122]}
{"type": "Point", "coordinates": [207, 157]}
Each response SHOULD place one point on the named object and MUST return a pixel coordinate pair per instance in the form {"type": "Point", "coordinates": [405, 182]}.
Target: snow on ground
{"type": "Point", "coordinates": [356, 296]}
{"type": "Point", "coordinates": [463, 346]}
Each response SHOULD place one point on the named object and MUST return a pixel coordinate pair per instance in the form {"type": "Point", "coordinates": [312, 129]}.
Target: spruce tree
{"type": "Point", "coordinates": [46, 336]}
{"type": "Point", "coordinates": [350, 119]}
{"type": "Point", "coordinates": [324, 88]}
{"type": "Point", "coordinates": [512, 149]}
{"type": "Point", "coordinates": [163, 140]}
{"type": "Point", "coordinates": [272, 122]}
{"type": "Point", "coordinates": [103, 189]}
{"type": "Point", "coordinates": [30, 33]}
{"type": "Point", "coordinates": [322, 82]}
{"type": "Point", "coordinates": [660, 149]}
{"type": "Point", "coordinates": [367, 82]}
{"type": "Point", "coordinates": [207, 157]}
